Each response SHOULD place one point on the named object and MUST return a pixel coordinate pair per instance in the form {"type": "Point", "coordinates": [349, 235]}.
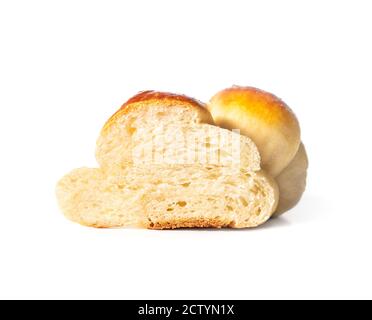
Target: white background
{"type": "Point", "coordinates": [66, 66]}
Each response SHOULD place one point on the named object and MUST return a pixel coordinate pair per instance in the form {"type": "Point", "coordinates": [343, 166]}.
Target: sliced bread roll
{"type": "Point", "coordinates": [164, 165]}
{"type": "Point", "coordinates": [168, 197]}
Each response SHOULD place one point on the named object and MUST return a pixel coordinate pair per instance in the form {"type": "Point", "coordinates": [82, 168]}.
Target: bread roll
{"type": "Point", "coordinates": [272, 125]}
{"type": "Point", "coordinates": [292, 181]}
{"type": "Point", "coordinates": [263, 117]}
{"type": "Point", "coordinates": [148, 177]}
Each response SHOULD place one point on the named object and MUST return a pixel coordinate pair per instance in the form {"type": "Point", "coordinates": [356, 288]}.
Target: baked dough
{"type": "Point", "coordinates": [274, 128]}
{"type": "Point", "coordinates": [264, 118]}
{"type": "Point", "coordinates": [212, 188]}
{"type": "Point", "coordinates": [292, 181]}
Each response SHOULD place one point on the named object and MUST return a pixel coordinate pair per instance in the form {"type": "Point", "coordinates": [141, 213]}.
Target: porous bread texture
{"type": "Point", "coordinates": [147, 110]}
{"type": "Point", "coordinates": [92, 198]}
{"type": "Point", "coordinates": [168, 197]}
{"type": "Point", "coordinates": [160, 143]}
{"type": "Point", "coordinates": [264, 118]}
{"type": "Point", "coordinates": [292, 182]}
{"type": "Point", "coordinates": [132, 189]}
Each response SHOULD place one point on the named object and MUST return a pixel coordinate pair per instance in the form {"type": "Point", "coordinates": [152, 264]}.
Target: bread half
{"type": "Point", "coordinates": [168, 197]}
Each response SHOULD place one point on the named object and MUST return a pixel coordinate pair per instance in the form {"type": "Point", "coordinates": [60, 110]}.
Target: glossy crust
{"type": "Point", "coordinates": [166, 99]}
{"type": "Point", "coordinates": [263, 117]}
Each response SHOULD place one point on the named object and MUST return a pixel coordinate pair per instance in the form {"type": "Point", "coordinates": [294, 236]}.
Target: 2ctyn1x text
{"type": "Point", "coordinates": [187, 310]}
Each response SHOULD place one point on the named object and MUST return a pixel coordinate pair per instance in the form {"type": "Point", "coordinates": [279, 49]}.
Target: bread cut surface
{"type": "Point", "coordinates": [168, 197]}
{"type": "Point", "coordinates": [163, 165]}
{"type": "Point", "coordinates": [92, 198]}
{"type": "Point", "coordinates": [161, 105]}
{"type": "Point", "coordinates": [146, 111]}
{"type": "Point", "coordinates": [160, 143]}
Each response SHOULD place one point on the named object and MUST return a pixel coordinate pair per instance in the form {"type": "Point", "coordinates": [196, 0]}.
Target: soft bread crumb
{"type": "Point", "coordinates": [185, 197]}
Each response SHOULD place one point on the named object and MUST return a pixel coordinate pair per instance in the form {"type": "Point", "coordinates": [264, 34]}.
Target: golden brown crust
{"type": "Point", "coordinates": [263, 117]}
{"type": "Point", "coordinates": [157, 95]}
{"type": "Point", "coordinates": [165, 99]}
{"type": "Point", "coordinates": [188, 223]}
{"type": "Point", "coordinates": [259, 104]}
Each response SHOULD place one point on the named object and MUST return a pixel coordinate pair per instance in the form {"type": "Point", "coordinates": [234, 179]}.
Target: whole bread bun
{"type": "Point", "coordinates": [133, 188]}
{"type": "Point", "coordinates": [264, 118]}
{"type": "Point", "coordinates": [292, 181]}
